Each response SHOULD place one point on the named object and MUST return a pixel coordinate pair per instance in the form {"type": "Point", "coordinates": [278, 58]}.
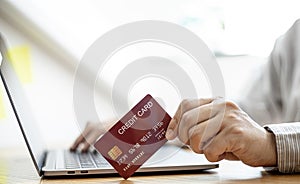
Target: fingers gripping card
{"type": "Point", "coordinates": [135, 137]}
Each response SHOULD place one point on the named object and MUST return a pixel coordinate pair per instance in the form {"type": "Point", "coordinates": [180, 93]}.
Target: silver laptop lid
{"type": "Point", "coordinates": [21, 108]}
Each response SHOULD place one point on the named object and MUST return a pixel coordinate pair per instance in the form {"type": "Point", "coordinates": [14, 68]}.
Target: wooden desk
{"type": "Point", "coordinates": [16, 167]}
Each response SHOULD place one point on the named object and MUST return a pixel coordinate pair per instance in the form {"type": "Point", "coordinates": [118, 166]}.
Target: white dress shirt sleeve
{"type": "Point", "coordinates": [287, 137]}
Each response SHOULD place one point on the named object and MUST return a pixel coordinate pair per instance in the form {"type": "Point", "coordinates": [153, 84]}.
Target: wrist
{"type": "Point", "coordinates": [271, 153]}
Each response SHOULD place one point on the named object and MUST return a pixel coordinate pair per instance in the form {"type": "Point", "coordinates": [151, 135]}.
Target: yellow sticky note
{"type": "Point", "coordinates": [21, 60]}
{"type": "Point", "coordinates": [2, 109]}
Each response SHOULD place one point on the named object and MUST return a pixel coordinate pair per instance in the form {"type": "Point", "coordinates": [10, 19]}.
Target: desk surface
{"type": "Point", "coordinates": [16, 167]}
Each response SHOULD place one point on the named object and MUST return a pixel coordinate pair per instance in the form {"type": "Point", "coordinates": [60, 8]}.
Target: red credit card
{"type": "Point", "coordinates": [135, 137]}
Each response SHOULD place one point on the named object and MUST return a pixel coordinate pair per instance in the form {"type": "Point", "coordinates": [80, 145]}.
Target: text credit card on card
{"type": "Point", "coordinates": [135, 137]}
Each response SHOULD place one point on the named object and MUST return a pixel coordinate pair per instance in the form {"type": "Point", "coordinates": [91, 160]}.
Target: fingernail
{"type": "Point", "coordinates": [169, 134]}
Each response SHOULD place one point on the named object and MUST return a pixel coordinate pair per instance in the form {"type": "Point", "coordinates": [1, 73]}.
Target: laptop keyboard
{"type": "Point", "coordinates": [83, 160]}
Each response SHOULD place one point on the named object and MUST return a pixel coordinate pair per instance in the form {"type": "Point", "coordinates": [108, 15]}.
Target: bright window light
{"type": "Point", "coordinates": [229, 27]}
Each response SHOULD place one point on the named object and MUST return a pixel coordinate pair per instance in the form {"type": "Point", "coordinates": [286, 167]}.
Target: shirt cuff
{"type": "Point", "coordinates": [287, 136]}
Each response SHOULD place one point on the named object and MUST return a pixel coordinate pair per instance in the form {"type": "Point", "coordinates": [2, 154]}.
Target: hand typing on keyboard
{"type": "Point", "coordinates": [89, 135]}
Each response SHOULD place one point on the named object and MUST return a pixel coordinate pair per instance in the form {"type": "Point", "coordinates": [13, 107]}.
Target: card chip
{"type": "Point", "coordinates": [114, 152]}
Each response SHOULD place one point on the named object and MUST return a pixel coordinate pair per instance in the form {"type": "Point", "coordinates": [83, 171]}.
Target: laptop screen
{"type": "Point", "coordinates": [21, 108]}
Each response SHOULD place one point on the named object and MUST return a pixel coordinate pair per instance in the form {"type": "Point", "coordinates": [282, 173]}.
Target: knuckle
{"type": "Point", "coordinates": [185, 104]}
{"type": "Point", "coordinates": [231, 104]}
{"type": "Point", "coordinates": [195, 143]}
{"type": "Point", "coordinates": [209, 154]}
{"type": "Point", "coordinates": [232, 115]}
{"type": "Point", "coordinates": [186, 117]}
{"type": "Point", "coordinates": [195, 148]}
{"type": "Point", "coordinates": [237, 130]}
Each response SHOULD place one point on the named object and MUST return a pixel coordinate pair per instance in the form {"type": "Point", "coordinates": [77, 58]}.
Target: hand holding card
{"type": "Point", "coordinates": [135, 137]}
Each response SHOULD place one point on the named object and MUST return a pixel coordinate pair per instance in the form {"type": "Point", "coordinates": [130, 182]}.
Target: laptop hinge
{"type": "Point", "coordinates": [42, 163]}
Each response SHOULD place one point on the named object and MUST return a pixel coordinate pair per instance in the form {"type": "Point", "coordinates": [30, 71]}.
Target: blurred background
{"type": "Point", "coordinates": [51, 36]}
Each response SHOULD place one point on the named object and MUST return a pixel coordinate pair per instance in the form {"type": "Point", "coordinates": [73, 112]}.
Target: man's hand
{"type": "Point", "coordinates": [236, 136]}
{"type": "Point", "coordinates": [89, 135]}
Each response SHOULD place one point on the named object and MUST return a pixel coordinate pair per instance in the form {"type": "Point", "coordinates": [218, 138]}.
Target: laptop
{"type": "Point", "coordinates": [65, 163]}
